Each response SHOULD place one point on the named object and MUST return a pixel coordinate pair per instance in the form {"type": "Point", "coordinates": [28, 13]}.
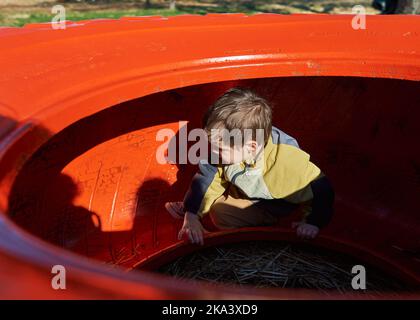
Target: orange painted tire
{"type": "Point", "coordinates": [80, 108]}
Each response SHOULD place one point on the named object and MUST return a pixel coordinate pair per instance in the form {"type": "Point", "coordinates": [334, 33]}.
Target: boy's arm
{"type": "Point", "coordinates": [206, 186]}
{"type": "Point", "coordinates": [319, 210]}
{"type": "Point", "coordinates": [293, 177]}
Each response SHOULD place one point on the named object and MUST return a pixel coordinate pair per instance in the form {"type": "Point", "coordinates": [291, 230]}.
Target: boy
{"type": "Point", "coordinates": [258, 179]}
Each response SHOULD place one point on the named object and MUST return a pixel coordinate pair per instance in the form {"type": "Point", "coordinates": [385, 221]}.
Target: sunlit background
{"type": "Point", "coordinates": [20, 12]}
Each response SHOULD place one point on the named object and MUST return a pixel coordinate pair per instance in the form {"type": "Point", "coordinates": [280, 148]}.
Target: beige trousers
{"type": "Point", "coordinates": [233, 211]}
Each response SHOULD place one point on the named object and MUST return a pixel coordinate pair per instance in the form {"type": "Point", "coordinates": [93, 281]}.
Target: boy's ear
{"type": "Point", "coordinates": [252, 145]}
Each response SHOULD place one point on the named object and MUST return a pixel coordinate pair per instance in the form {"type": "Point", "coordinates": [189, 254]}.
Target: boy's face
{"type": "Point", "coordinates": [231, 153]}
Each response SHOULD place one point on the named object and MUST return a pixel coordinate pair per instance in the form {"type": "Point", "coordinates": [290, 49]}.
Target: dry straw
{"type": "Point", "coordinates": [277, 264]}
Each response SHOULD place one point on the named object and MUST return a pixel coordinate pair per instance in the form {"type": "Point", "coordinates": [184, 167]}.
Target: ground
{"type": "Point", "coordinates": [20, 12]}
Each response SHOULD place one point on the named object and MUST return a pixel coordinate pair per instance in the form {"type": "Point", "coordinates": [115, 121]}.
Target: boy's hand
{"type": "Point", "coordinates": [193, 228]}
{"type": "Point", "coordinates": [305, 230]}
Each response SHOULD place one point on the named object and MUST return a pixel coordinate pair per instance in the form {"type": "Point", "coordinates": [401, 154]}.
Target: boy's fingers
{"type": "Point", "coordinates": [302, 232]}
{"type": "Point", "coordinates": [200, 236]}
{"type": "Point", "coordinates": [299, 229]}
{"type": "Point", "coordinates": [195, 236]}
{"type": "Point", "coordinates": [180, 234]}
{"type": "Point", "coordinates": [190, 235]}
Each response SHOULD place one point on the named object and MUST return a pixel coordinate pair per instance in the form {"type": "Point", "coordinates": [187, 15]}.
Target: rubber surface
{"type": "Point", "coordinates": [80, 109]}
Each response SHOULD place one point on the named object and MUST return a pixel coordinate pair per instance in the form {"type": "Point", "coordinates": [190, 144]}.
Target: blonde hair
{"type": "Point", "coordinates": [240, 108]}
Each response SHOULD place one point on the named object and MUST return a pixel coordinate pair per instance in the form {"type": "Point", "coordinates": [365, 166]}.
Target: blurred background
{"type": "Point", "coordinates": [20, 12]}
